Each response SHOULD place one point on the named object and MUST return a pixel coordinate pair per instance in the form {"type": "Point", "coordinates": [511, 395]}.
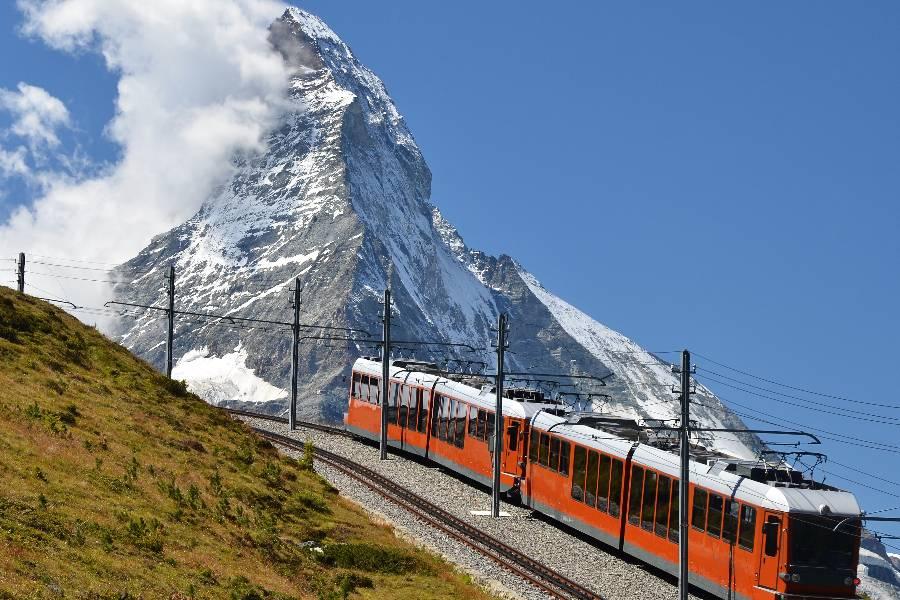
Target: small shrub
{"type": "Point", "coordinates": [69, 415]}
{"type": "Point", "coordinates": [33, 411]}
{"type": "Point", "coordinates": [215, 483]}
{"type": "Point", "coordinates": [39, 474]}
{"type": "Point", "coordinates": [175, 387]}
{"type": "Point", "coordinates": [240, 588]}
{"type": "Point", "coordinates": [305, 499]}
{"type": "Point", "coordinates": [57, 386]}
{"type": "Point", "coordinates": [272, 473]}
{"type": "Point", "coordinates": [309, 450]}
{"type": "Point", "coordinates": [193, 497]}
{"type": "Point", "coordinates": [370, 557]}
{"type": "Point", "coordinates": [42, 500]}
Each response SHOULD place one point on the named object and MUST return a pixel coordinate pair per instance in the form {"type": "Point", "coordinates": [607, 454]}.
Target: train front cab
{"type": "Point", "coordinates": [737, 549]}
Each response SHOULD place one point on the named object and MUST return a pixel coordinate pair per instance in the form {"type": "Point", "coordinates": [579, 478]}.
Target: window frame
{"type": "Point", "coordinates": [709, 515]}
{"type": "Point", "coordinates": [616, 482]}
{"type": "Point", "coordinates": [702, 511]}
{"type": "Point", "coordinates": [742, 526]}
{"type": "Point", "coordinates": [664, 483]}
{"type": "Point", "coordinates": [635, 501]}
{"type": "Point", "coordinates": [576, 474]}
{"type": "Point", "coordinates": [590, 481]}
{"type": "Point", "coordinates": [648, 500]}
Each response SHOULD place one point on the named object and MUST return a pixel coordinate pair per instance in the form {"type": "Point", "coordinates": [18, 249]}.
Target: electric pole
{"type": "Point", "coordinates": [684, 487]}
{"type": "Point", "coordinates": [170, 336]}
{"type": "Point", "coordinates": [295, 357]}
{"type": "Point", "coordinates": [498, 417]}
{"type": "Point", "coordinates": [20, 272]}
{"type": "Point", "coordinates": [385, 372]}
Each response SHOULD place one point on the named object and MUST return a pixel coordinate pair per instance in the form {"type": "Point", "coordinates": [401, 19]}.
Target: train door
{"type": "Point", "coordinates": [512, 447]}
{"type": "Point", "coordinates": [771, 551]}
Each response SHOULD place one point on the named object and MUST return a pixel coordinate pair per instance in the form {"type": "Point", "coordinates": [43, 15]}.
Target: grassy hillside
{"type": "Point", "coordinates": [117, 483]}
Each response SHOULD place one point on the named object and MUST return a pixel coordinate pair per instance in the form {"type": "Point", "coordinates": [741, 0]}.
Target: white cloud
{"type": "Point", "coordinates": [36, 114]}
{"type": "Point", "coordinates": [12, 162]}
{"type": "Point", "coordinates": [198, 81]}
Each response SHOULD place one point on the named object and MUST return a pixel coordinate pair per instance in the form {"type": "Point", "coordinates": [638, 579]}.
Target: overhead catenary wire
{"type": "Point", "coordinates": [58, 276]}
{"type": "Point", "coordinates": [784, 385]}
{"type": "Point", "coordinates": [765, 389]}
{"type": "Point", "coordinates": [845, 413]}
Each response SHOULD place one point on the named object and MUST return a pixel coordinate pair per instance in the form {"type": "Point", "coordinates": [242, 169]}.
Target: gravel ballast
{"type": "Point", "coordinates": [589, 564]}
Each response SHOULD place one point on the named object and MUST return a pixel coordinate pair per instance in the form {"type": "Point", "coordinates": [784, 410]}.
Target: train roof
{"type": "Point", "coordinates": [611, 437]}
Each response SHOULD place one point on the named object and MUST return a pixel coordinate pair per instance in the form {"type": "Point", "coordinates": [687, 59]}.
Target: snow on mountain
{"type": "Point", "coordinates": [878, 573]}
{"type": "Point", "coordinates": [340, 199]}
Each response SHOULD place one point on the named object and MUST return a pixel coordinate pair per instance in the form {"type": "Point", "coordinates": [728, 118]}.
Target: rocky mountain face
{"type": "Point", "coordinates": [878, 570]}
{"type": "Point", "coordinates": [340, 199]}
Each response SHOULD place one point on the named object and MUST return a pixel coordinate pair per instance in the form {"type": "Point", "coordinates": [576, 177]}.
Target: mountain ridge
{"type": "Point", "coordinates": [341, 199]}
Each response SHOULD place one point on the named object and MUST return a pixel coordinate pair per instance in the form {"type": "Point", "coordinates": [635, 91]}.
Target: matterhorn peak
{"type": "Point", "coordinates": [340, 198]}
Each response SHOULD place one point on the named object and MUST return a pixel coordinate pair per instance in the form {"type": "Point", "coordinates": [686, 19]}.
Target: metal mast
{"type": "Point", "coordinates": [498, 417]}
{"type": "Point", "coordinates": [385, 372]}
{"type": "Point", "coordinates": [170, 334]}
{"type": "Point", "coordinates": [20, 273]}
{"type": "Point", "coordinates": [295, 349]}
{"type": "Point", "coordinates": [684, 487]}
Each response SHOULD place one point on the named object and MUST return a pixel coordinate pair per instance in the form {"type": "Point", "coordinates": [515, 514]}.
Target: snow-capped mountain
{"type": "Point", "coordinates": [340, 199]}
{"type": "Point", "coordinates": [878, 570]}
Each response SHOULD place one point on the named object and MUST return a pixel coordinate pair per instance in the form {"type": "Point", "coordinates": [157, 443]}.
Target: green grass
{"type": "Point", "coordinates": [117, 483]}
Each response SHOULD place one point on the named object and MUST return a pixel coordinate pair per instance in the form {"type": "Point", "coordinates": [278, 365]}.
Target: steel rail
{"type": "Point", "coordinates": [537, 573]}
{"type": "Point", "coordinates": [276, 419]}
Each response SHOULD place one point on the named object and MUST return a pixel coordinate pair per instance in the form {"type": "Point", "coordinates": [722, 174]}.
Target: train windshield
{"type": "Point", "coordinates": [814, 543]}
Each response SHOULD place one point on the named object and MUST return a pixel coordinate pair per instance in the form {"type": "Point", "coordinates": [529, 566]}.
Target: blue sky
{"type": "Point", "coordinates": [711, 176]}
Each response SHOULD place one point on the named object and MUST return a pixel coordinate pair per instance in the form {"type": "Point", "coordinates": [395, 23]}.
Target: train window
{"type": "Point", "coordinates": [674, 515]}
{"type": "Point", "coordinates": [564, 458]}
{"type": "Point", "coordinates": [403, 409]}
{"type": "Point", "coordinates": [436, 417]}
{"type": "Point", "coordinates": [445, 418]}
{"type": "Point", "coordinates": [615, 487]}
{"type": "Point", "coordinates": [714, 521]}
{"type": "Point", "coordinates": [355, 387]}
{"type": "Point", "coordinates": [534, 446]}
{"type": "Point", "coordinates": [748, 527]}
{"type": "Point", "coordinates": [414, 406]}
{"type": "Point", "coordinates": [578, 472]}
{"type": "Point", "coordinates": [461, 410]}
{"type": "Point", "coordinates": [364, 388]}
{"type": "Point", "coordinates": [374, 390]}
{"type": "Point", "coordinates": [729, 527]}
{"type": "Point", "coordinates": [603, 484]}
{"type": "Point", "coordinates": [482, 422]}
{"type": "Point", "coordinates": [590, 485]}
{"type": "Point", "coordinates": [513, 436]}
{"type": "Point", "coordinates": [634, 497]}
{"type": "Point", "coordinates": [392, 403]}
{"type": "Point", "coordinates": [473, 421]}
{"type": "Point", "coordinates": [554, 453]}
{"type": "Point", "coordinates": [649, 505]}
{"type": "Point", "coordinates": [771, 531]}
{"type": "Point", "coordinates": [698, 515]}
{"type": "Point", "coordinates": [489, 425]}
{"type": "Point", "coordinates": [451, 420]}
{"type": "Point", "coordinates": [422, 400]}
{"type": "Point", "coordinates": [544, 457]}
{"type": "Point", "coordinates": [662, 506]}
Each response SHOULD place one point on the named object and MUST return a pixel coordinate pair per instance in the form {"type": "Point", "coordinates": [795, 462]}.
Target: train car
{"type": "Point", "coordinates": [757, 530]}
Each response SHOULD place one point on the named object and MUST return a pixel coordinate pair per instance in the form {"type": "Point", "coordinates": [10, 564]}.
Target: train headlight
{"type": "Point", "coordinates": [795, 578]}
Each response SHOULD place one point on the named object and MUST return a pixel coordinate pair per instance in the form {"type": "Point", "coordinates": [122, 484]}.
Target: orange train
{"type": "Point", "coordinates": [758, 531]}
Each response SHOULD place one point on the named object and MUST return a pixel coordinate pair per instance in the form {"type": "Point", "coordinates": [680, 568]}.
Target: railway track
{"type": "Point", "coordinates": [538, 574]}
{"type": "Point", "coordinates": [306, 424]}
